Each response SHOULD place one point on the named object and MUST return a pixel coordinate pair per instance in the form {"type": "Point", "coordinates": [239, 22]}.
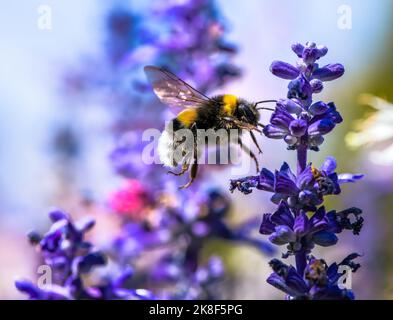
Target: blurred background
{"type": "Point", "coordinates": [72, 91]}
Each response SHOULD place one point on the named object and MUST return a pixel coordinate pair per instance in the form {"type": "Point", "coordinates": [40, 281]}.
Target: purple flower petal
{"type": "Point", "coordinates": [310, 55]}
{"type": "Point", "coordinates": [349, 177]}
{"type": "Point", "coordinates": [300, 89]}
{"type": "Point", "coordinates": [284, 70]}
{"type": "Point", "coordinates": [301, 224]}
{"type": "Point", "coordinates": [266, 180]}
{"type": "Point", "coordinates": [283, 215]}
{"type": "Point", "coordinates": [325, 238]}
{"type": "Point", "coordinates": [305, 178]}
{"type": "Point", "coordinates": [295, 281]}
{"type": "Point", "coordinates": [281, 118]}
{"type": "Point", "coordinates": [57, 214]}
{"type": "Point", "coordinates": [321, 127]}
{"type": "Point", "coordinates": [298, 49]}
{"type": "Point", "coordinates": [284, 184]}
{"type": "Point", "coordinates": [316, 85]}
{"type": "Point", "coordinates": [290, 105]}
{"type": "Point", "coordinates": [282, 235]}
{"type": "Point", "coordinates": [329, 72]}
{"type": "Point", "coordinates": [274, 132]}
{"type": "Point", "coordinates": [319, 220]}
{"type": "Point", "coordinates": [267, 226]}
{"type": "Point", "coordinates": [298, 127]}
{"type": "Point", "coordinates": [329, 165]}
{"type": "Point", "coordinates": [318, 108]}
{"type": "Point", "coordinates": [85, 224]}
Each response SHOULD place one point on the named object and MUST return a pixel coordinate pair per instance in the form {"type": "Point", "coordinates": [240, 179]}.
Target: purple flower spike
{"type": "Point", "coordinates": [284, 70]}
{"type": "Point", "coordinates": [300, 220]}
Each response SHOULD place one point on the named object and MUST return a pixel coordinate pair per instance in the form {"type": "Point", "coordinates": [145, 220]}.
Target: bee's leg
{"type": "Point", "coordinates": [249, 152]}
{"type": "Point", "coordinates": [232, 123]}
{"type": "Point", "coordinates": [184, 169]}
{"type": "Point", "coordinates": [255, 141]}
{"type": "Point", "coordinates": [194, 166]}
{"type": "Point", "coordinates": [193, 174]}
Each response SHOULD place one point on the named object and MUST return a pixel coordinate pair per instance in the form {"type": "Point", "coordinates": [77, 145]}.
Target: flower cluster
{"type": "Point", "coordinates": [71, 259]}
{"type": "Point", "coordinates": [320, 281]}
{"type": "Point", "coordinates": [305, 190]}
{"type": "Point", "coordinates": [301, 221]}
{"type": "Point", "coordinates": [297, 119]}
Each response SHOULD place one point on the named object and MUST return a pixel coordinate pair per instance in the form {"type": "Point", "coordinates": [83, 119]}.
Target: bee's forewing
{"type": "Point", "coordinates": [173, 91]}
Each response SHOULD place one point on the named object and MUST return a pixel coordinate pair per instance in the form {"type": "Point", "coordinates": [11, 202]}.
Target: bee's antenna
{"type": "Point", "coordinates": [265, 101]}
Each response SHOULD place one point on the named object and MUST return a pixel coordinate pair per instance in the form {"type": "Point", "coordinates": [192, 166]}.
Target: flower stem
{"type": "Point", "coordinates": [301, 158]}
{"type": "Point", "coordinates": [301, 256]}
{"type": "Point", "coordinates": [301, 261]}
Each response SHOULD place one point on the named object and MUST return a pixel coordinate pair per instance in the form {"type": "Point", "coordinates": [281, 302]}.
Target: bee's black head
{"type": "Point", "coordinates": [247, 112]}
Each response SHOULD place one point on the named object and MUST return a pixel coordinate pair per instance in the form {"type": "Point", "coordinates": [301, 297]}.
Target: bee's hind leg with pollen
{"type": "Point", "coordinates": [249, 152]}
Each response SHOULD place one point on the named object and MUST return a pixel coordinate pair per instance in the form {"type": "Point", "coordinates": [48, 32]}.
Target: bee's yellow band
{"type": "Point", "coordinates": [230, 102]}
{"type": "Point", "coordinates": [187, 117]}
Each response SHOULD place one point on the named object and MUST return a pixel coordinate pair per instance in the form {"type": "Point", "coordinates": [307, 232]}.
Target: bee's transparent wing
{"type": "Point", "coordinates": [173, 91]}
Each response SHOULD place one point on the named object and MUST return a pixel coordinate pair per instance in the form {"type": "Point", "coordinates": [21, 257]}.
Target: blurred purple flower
{"type": "Point", "coordinates": [70, 257]}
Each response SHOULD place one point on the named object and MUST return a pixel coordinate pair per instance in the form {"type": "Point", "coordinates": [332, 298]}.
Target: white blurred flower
{"type": "Point", "coordinates": [375, 131]}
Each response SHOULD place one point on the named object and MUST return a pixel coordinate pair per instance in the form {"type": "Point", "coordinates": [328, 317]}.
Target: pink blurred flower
{"type": "Point", "coordinates": [130, 201]}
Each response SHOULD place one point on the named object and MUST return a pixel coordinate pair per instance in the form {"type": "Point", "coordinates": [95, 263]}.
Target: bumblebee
{"type": "Point", "coordinates": [197, 111]}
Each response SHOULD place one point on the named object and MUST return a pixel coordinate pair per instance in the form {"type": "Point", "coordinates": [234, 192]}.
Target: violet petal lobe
{"type": "Point", "coordinates": [298, 127]}
{"type": "Point", "coordinates": [284, 184]}
{"type": "Point", "coordinates": [325, 238]}
{"type": "Point", "coordinates": [267, 226]}
{"type": "Point", "coordinates": [349, 177]}
{"type": "Point", "coordinates": [321, 127]}
{"type": "Point", "coordinates": [329, 72]}
{"type": "Point", "coordinates": [284, 70]}
{"type": "Point", "coordinates": [274, 132]}
{"type": "Point", "coordinates": [283, 215]}
{"type": "Point", "coordinates": [329, 165]}
{"type": "Point", "coordinates": [301, 224]}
